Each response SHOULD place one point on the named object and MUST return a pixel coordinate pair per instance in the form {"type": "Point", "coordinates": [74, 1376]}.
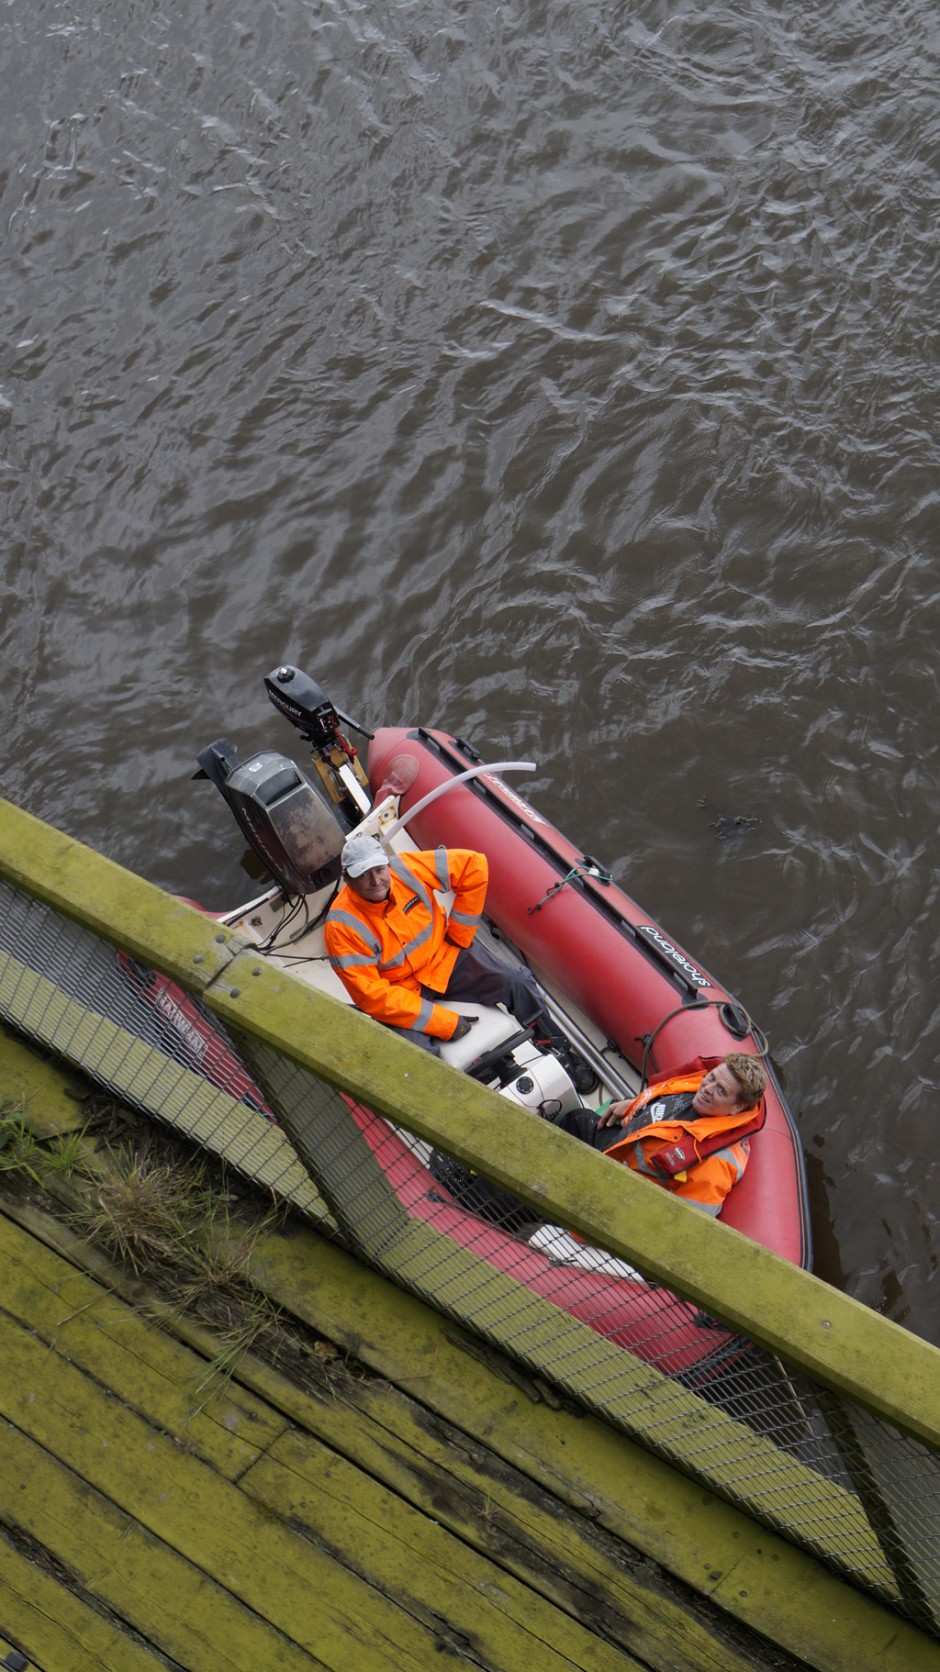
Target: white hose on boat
{"type": "Point", "coordinates": [461, 778]}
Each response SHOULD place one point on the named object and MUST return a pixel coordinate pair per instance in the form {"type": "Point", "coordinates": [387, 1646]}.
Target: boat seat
{"type": "Point", "coordinates": [494, 1027]}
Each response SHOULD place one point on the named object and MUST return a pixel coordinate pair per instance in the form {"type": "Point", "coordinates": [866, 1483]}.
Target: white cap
{"type": "Point", "coordinates": [362, 853]}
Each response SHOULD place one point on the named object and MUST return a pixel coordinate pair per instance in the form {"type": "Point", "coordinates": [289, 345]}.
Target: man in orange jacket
{"type": "Point", "coordinates": [398, 954]}
{"type": "Point", "coordinates": [688, 1133]}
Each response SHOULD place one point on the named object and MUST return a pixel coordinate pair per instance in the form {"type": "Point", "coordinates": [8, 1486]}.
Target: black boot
{"type": "Point", "coordinates": [582, 1075]}
{"type": "Point", "coordinates": [547, 1038]}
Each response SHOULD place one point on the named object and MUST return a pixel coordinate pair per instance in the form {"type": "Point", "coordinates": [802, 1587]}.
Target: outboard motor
{"type": "Point", "coordinates": [290, 828]}
{"type": "Point", "coordinates": [306, 705]}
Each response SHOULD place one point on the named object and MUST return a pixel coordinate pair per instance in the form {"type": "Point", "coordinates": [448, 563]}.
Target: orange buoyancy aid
{"type": "Point", "coordinates": [689, 1163]}
{"type": "Point", "coordinates": [385, 951]}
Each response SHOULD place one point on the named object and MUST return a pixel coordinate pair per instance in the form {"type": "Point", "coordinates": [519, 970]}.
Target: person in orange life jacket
{"type": "Point", "coordinates": [688, 1134]}
{"type": "Point", "coordinates": [398, 954]}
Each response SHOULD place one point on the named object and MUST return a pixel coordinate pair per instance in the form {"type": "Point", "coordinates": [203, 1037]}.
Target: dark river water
{"type": "Point", "coordinates": [563, 374]}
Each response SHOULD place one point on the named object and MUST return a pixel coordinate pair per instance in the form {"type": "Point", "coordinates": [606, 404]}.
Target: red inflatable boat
{"type": "Point", "coordinates": [629, 1000]}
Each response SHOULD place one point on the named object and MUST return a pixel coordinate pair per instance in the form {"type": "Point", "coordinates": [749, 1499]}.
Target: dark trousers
{"type": "Point", "coordinates": [478, 978]}
{"type": "Point", "coordinates": [477, 975]}
{"type": "Point", "coordinates": [582, 1123]}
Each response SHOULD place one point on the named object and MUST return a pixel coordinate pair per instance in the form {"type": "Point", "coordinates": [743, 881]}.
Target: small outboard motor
{"type": "Point", "coordinates": [305, 704]}
{"type": "Point", "coordinates": [280, 814]}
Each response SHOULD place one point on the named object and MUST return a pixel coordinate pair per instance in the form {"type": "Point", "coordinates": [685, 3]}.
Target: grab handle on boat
{"type": "Point", "coordinates": [461, 778]}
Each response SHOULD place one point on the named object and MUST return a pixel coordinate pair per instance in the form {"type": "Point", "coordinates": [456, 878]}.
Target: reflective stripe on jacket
{"type": "Point", "coordinates": [707, 1182]}
{"type": "Point", "coordinates": [384, 952]}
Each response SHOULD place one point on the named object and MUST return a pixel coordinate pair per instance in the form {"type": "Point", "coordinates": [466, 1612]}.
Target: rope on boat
{"type": "Point", "coordinates": [647, 1039]}
{"type": "Point", "coordinates": [576, 871]}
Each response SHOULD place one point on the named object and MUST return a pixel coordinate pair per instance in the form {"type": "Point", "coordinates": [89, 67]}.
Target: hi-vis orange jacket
{"type": "Point", "coordinates": [384, 952]}
{"type": "Point", "coordinates": [704, 1182]}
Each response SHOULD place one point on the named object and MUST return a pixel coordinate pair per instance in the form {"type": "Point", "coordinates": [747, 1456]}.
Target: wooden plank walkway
{"type": "Point", "coordinates": [333, 1525]}
{"type": "Point", "coordinates": [388, 1494]}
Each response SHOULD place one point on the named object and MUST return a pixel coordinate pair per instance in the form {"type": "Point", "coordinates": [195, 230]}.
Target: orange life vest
{"type": "Point", "coordinates": [696, 1157]}
{"type": "Point", "coordinates": [385, 951]}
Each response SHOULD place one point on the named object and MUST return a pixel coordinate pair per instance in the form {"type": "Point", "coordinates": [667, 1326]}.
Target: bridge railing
{"type": "Point", "coordinates": [817, 1416]}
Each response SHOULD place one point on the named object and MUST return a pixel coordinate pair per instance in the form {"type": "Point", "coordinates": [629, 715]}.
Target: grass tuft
{"type": "Point", "coordinates": [17, 1144]}
{"type": "Point", "coordinates": [22, 1153]}
{"type": "Point", "coordinates": [259, 1319]}
{"type": "Point", "coordinates": [161, 1214]}
{"type": "Point", "coordinates": [171, 1220]}
{"type": "Point", "coordinates": [147, 1212]}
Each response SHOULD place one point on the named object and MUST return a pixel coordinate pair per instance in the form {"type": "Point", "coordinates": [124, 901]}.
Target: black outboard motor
{"type": "Point", "coordinates": [305, 704]}
{"type": "Point", "coordinates": [280, 814]}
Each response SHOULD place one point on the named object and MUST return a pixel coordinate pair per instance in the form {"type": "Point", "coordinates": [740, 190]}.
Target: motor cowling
{"type": "Point", "coordinates": [290, 828]}
{"type": "Point", "coordinates": [305, 704]}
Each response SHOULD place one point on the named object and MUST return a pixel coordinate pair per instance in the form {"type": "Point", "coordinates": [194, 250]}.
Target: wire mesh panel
{"type": "Point", "coordinates": [898, 1482]}
{"type": "Point", "coordinates": [142, 1037]}
{"type": "Point", "coordinates": [811, 1464]}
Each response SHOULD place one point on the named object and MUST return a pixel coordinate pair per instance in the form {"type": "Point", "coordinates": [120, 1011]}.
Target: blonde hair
{"type": "Point", "coordinates": [750, 1075]}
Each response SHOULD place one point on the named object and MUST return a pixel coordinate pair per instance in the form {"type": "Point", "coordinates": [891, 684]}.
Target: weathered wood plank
{"type": "Point", "coordinates": [756, 1577]}
{"type": "Point", "coordinates": [51, 1105]}
{"type": "Point", "coordinates": [171, 1603]}
{"type": "Point", "coordinates": [659, 1412]}
{"type": "Point", "coordinates": [501, 1513]}
{"type": "Point", "coordinates": [813, 1321]}
{"type": "Point", "coordinates": [724, 1454]}
{"type": "Point", "coordinates": [299, 1589]}
{"type": "Point", "coordinates": [410, 1556]}
{"type": "Point", "coordinates": [747, 1572]}
{"type": "Point", "coordinates": [143, 1366]}
{"type": "Point", "coordinates": [648, 1404]}
{"type": "Point", "coordinates": [826, 1334]}
{"type": "Point", "coordinates": [494, 1508]}
{"type": "Point", "coordinates": [111, 901]}
{"type": "Point", "coordinates": [59, 1630]}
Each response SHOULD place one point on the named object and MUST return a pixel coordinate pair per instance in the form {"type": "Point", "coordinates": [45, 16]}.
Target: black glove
{"type": "Point", "coordinates": [463, 1027]}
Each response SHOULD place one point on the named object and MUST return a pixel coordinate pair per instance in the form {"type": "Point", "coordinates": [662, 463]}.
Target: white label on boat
{"type": "Point", "coordinates": [182, 1024]}
{"type": "Point", "coordinates": [680, 960]}
{"type": "Point", "coordinates": [517, 801]}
